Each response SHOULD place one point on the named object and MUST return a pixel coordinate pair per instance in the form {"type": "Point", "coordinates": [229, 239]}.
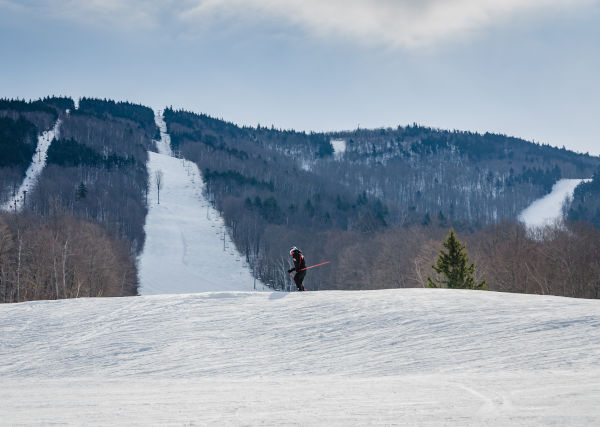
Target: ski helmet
{"type": "Point", "coordinates": [294, 249]}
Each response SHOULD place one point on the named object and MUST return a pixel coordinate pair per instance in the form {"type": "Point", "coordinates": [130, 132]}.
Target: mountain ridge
{"type": "Point", "coordinates": [276, 187]}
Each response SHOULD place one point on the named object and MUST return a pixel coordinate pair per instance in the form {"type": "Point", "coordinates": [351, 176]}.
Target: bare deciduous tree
{"type": "Point", "coordinates": [158, 180]}
{"type": "Point", "coordinates": [61, 257]}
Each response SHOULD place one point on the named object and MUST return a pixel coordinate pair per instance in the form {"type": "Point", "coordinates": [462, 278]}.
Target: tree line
{"type": "Point", "coordinates": [480, 179]}
{"type": "Point", "coordinates": [253, 178]}
{"type": "Point", "coordinates": [276, 188]}
{"type": "Point", "coordinates": [557, 260]}
{"type": "Point", "coordinates": [20, 124]}
{"type": "Point", "coordinates": [378, 212]}
{"type": "Point", "coordinates": [585, 205]}
{"type": "Point", "coordinates": [107, 157]}
{"type": "Point", "coordinates": [59, 257]}
{"type": "Point", "coordinates": [18, 140]}
{"type": "Point", "coordinates": [94, 185]}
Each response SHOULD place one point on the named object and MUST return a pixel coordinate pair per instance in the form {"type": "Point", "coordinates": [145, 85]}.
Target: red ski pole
{"type": "Point", "coordinates": [313, 266]}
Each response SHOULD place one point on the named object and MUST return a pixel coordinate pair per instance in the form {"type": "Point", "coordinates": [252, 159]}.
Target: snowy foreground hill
{"type": "Point", "coordinates": [393, 357]}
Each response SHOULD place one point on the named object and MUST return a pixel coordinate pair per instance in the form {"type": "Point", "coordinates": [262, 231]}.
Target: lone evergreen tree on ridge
{"type": "Point", "coordinates": [453, 267]}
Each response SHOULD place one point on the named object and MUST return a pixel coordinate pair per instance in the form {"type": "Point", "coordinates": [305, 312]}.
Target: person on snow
{"type": "Point", "coordinates": [299, 267]}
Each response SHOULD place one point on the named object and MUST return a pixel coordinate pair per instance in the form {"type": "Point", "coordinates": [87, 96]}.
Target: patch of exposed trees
{"type": "Point", "coordinates": [61, 257]}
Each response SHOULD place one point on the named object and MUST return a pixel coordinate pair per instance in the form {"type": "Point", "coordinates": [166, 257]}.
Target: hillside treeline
{"type": "Point", "coordinates": [95, 171]}
{"type": "Point", "coordinates": [20, 124]}
{"type": "Point", "coordinates": [561, 261]}
{"type": "Point", "coordinates": [280, 188]}
{"type": "Point", "coordinates": [378, 212]}
{"type": "Point", "coordinates": [61, 257]}
{"type": "Point", "coordinates": [465, 176]}
{"type": "Point", "coordinates": [256, 180]}
{"type": "Point", "coordinates": [585, 205]}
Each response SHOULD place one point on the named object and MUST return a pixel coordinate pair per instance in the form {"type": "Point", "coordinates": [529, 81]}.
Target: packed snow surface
{"type": "Point", "coordinates": [548, 209]}
{"type": "Point", "coordinates": [187, 247]}
{"type": "Point", "coordinates": [392, 357]}
{"type": "Point", "coordinates": [38, 162]}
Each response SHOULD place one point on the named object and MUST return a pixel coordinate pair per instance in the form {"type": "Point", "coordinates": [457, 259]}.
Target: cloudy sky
{"type": "Point", "coordinates": [528, 68]}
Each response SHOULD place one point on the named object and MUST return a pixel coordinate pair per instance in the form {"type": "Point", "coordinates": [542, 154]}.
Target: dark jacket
{"type": "Point", "coordinates": [299, 262]}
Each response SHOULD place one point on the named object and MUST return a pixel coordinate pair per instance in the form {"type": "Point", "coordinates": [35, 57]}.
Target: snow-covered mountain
{"type": "Point", "coordinates": [395, 357]}
{"type": "Point", "coordinates": [187, 247]}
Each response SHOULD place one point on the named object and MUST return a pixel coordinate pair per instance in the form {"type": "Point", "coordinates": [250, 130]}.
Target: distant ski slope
{"type": "Point", "coordinates": [548, 209]}
{"type": "Point", "coordinates": [38, 162]}
{"type": "Point", "coordinates": [187, 247]}
{"type": "Point", "coordinates": [409, 357]}
{"type": "Point", "coordinates": [164, 144]}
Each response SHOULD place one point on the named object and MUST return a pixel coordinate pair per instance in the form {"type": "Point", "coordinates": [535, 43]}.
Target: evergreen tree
{"type": "Point", "coordinates": [453, 267]}
{"type": "Point", "coordinates": [81, 191]}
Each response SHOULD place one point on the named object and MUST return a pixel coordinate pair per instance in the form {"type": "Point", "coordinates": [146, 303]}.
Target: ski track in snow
{"type": "Point", "coordinates": [548, 209]}
{"type": "Point", "coordinates": [187, 246]}
{"type": "Point", "coordinates": [38, 162]}
{"type": "Point", "coordinates": [408, 357]}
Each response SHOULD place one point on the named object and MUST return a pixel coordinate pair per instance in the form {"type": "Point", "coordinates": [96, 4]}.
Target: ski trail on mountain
{"type": "Point", "coordinates": [164, 144]}
{"type": "Point", "coordinates": [38, 162]}
{"type": "Point", "coordinates": [187, 248]}
{"type": "Point", "coordinates": [548, 209]}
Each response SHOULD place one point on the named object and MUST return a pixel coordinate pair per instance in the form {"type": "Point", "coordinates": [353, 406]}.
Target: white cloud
{"type": "Point", "coordinates": [393, 23]}
{"type": "Point", "coordinates": [396, 23]}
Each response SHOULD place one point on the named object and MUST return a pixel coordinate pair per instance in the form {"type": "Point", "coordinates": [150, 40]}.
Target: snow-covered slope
{"type": "Point", "coordinates": [409, 357]}
{"type": "Point", "coordinates": [339, 147]}
{"type": "Point", "coordinates": [38, 162]}
{"type": "Point", "coordinates": [164, 145]}
{"type": "Point", "coordinates": [187, 248]}
{"type": "Point", "coordinates": [548, 209]}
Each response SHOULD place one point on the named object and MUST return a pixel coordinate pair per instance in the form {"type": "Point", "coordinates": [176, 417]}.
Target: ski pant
{"type": "Point", "coordinates": [298, 278]}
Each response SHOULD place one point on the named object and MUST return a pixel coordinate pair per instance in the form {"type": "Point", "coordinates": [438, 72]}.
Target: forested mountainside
{"type": "Point", "coordinates": [464, 176]}
{"type": "Point", "coordinates": [373, 210]}
{"type": "Point", "coordinates": [92, 190]}
{"type": "Point", "coordinates": [97, 168]}
{"type": "Point", "coordinates": [377, 210]}
{"type": "Point", "coordinates": [586, 202]}
{"type": "Point", "coordinates": [20, 124]}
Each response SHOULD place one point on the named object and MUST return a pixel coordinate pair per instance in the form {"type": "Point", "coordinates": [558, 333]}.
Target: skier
{"type": "Point", "coordinates": [299, 267]}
